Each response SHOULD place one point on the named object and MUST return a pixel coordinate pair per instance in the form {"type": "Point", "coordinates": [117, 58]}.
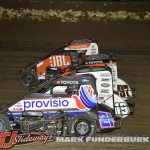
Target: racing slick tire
{"type": "Point", "coordinates": [4, 123]}
{"type": "Point", "coordinates": [28, 78]}
{"type": "Point", "coordinates": [82, 126]}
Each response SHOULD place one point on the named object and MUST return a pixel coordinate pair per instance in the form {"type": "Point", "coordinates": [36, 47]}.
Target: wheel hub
{"type": "Point", "coordinates": [82, 128]}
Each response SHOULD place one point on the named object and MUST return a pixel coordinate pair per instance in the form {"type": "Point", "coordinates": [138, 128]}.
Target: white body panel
{"type": "Point", "coordinates": [120, 85]}
{"type": "Point", "coordinates": [91, 48]}
{"type": "Point", "coordinates": [104, 86]}
{"type": "Point", "coordinates": [114, 75]}
{"type": "Point", "coordinates": [121, 107]}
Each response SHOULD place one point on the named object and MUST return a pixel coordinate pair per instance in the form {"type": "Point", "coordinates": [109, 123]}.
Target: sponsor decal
{"type": "Point", "coordinates": [67, 82]}
{"type": "Point", "coordinates": [93, 62]}
{"type": "Point", "coordinates": [106, 120]}
{"type": "Point", "coordinates": [93, 52]}
{"type": "Point", "coordinates": [17, 109]}
{"type": "Point", "coordinates": [78, 46]}
{"type": "Point", "coordinates": [85, 80]}
{"type": "Point", "coordinates": [93, 48]}
{"type": "Point", "coordinates": [84, 101]}
{"type": "Point", "coordinates": [19, 105]}
{"type": "Point", "coordinates": [13, 138]}
{"type": "Point", "coordinates": [105, 74]}
{"type": "Point", "coordinates": [60, 61]}
{"type": "Point", "coordinates": [104, 90]}
{"type": "Point", "coordinates": [105, 79]}
{"type": "Point", "coordinates": [105, 85]}
{"type": "Point", "coordinates": [50, 103]}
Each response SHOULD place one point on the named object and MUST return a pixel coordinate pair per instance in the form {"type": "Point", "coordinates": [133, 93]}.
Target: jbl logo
{"type": "Point", "coordinates": [57, 61]}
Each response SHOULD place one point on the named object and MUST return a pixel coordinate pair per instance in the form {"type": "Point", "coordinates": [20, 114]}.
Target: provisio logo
{"type": "Point", "coordinates": [85, 100]}
{"type": "Point", "coordinates": [45, 104]}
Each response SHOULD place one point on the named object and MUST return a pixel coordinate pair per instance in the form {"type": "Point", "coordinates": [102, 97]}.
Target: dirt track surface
{"type": "Point", "coordinates": [24, 42]}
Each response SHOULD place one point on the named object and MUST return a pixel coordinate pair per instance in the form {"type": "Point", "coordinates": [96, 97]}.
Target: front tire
{"type": "Point", "coordinates": [82, 126]}
{"type": "Point", "coordinates": [4, 123]}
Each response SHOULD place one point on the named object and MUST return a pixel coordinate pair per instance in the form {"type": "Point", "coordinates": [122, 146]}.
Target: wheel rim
{"type": "Point", "coordinates": [29, 79]}
{"type": "Point", "coordinates": [82, 128]}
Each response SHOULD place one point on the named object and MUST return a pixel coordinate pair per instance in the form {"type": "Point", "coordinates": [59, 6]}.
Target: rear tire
{"type": "Point", "coordinates": [4, 123]}
{"type": "Point", "coordinates": [28, 78]}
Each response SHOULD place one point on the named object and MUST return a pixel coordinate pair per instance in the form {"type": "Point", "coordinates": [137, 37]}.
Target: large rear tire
{"type": "Point", "coordinates": [28, 78]}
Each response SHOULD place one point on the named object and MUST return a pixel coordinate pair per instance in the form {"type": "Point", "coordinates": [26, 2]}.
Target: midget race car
{"type": "Point", "coordinates": [62, 58]}
{"type": "Point", "coordinates": [78, 105]}
{"type": "Point", "coordinates": [75, 91]}
{"type": "Point", "coordinates": [66, 59]}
